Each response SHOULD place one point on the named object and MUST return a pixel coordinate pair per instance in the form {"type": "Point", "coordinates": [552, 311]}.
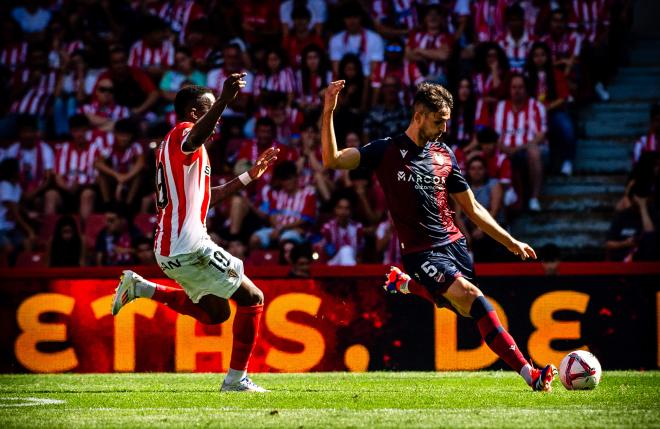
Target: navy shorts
{"type": "Point", "coordinates": [436, 269]}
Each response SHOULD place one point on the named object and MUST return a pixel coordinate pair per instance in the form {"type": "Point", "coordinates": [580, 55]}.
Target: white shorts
{"type": "Point", "coordinates": [210, 270]}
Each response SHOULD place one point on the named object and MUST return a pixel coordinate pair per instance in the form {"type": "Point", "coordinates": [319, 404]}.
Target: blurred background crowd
{"type": "Point", "coordinates": [88, 86]}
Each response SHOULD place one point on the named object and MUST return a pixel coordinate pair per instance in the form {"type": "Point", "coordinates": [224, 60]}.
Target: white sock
{"type": "Point", "coordinates": [526, 373]}
{"type": "Point", "coordinates": [145, 288]}
{"type": "Point", "coordinates": [235, 375]}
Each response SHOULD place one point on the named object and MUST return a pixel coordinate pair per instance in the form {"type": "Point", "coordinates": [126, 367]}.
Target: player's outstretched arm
{"type": "Point", "coordinates": [265, 160]}
{"type": "Point", "coordinates": [205, 125]}
{"type": "Point", "coordinates": [346, 159]}
{"type": "Point", "coordinates": [480, 216]}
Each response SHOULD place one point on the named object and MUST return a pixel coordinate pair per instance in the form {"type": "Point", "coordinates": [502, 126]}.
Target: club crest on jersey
{"type": "Point", "coordinates": [207, 170]}
{"type": "Point", "coordinates": [404, 152]}
{"type": "Point", "coordinates": [439, 159]}
{"type": "Point", "coordinates": [231, 273]}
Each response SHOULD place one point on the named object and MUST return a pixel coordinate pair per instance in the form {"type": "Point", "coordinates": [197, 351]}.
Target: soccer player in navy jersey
{"type": "Point", "coordinates": [418, 173]}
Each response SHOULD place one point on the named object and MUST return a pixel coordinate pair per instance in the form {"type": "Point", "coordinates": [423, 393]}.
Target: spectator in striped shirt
{"type": "Point", "coordinates": [14, 49]}
{"type": "Point", "coordinates": [492, 74]}
{"type": "Point", "coordinates": [36, 162]}
{"type": "Point", "coordinates": [517, 41]}
{"type": "Point", "coordinates": [312, 78]}
{"type": "Point", "coordinates": [431, 47]}
{"type": "Point", "coordinates": [102, 112]}
{"type": "Point", "coordinates": [115, 243]}
{"type": "Point", "coordinates": [389, 117]}
{"type": "Point", "coordinates": [121, 167]}
{"type": "Point", "coordinates": [276, 76]}
{"type": "Point", "coordinates": [521, 124]}
{"type": "Point", "coordinates": [468, 114]}
{"type": "Point", "coordinates": [565, 45]}
{"type": "Point", "coordinates": [343, 238]}
{"type": "Point", "coordinates": [154, 53]}
{"type": "Point", "coordinates": [396, 65]}
{"type": "Point", "coordinates": [357, 40]}
{"type": "Point", "coordinates": [298, 37]}
{"type": "Point", "coordinates": [184, 71]}
{"type": "Point", "coordinates": [316, 11]}
{"type": "Point", "coordinates": [132, 86]}
{"type": "Point", "coordinates": [33, 86]}
{"type": "Point", "coordinates": [290, 210]}
{"type": "Point", "coordinates": [75, 174]}
{"type": "Point", "coordinates": [548, 85]}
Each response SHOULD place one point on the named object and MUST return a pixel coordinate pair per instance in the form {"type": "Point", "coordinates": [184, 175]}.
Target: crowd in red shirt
{"type": "Point", "coordinates": [89, 89]}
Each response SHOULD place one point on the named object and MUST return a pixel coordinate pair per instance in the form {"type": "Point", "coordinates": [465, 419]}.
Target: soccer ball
{"type": "Point", "coordinates": [580, 370]}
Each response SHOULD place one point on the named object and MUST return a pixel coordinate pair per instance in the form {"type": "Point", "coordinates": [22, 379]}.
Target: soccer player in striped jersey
{"type": "Point", "coordinates": [418, 174]}
{"type": "Point", "coordinates": [209, 275]}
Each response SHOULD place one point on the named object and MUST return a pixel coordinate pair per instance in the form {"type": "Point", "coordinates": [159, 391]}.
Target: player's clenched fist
{"type": "Point", "coordinates": [232, 86]}
{"type": "Point", "coordinates": [331, 93]}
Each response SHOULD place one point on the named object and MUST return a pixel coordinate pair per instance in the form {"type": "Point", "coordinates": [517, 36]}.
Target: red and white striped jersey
{"type": "Point", "coordinates": [216, 78]}
{"type": "Point", "coordinates": [122, 159]}
{"type": "Point", "coordinates": [285, 127]}
{"type": "Point", "coordinates": [142, 55]}
{"type": "Point", "coordinates": [76, 165]}
{"type": "Point", "coordinates": [289, 208]}
{"type": "Point", "coordinates": [402, 12]}
{"type": "Point", "coordinates": [499, 167]}
{"type": "Point", "coordinates": [14, 55]}
{"type": "Point", "coordinates": [339, 236]}
{"type": "Point", "coordinates": [113, 111]}
{"type": "Point", "coordinates": [567, 46]}
{"type": "Point", "coordinates": [183, 190]}
{"type": "Point", "coordinates": [489, 18]}
{"type": "Point", "coordinates": [519, 128]}
{"type": "Point", "coordinates": [33, 163]}
{"type": "Point", "coordinates": [589, 17]}
{"type": "Point", "coordinates": [516, 50]}
{"type": "Point", "coordinates": [647, 143]}
{"type": "Point", "coordinates": [36, 99]}
{"type": "Point", "coordinates": [316, 84]}
{"type": "Point", "coordinates": [282, 81]}
{"type": "Point", "coordinates": [407, 73]}
{"type": "Point", "coordinates": [425, 40]}
{"type": "Point", "coordinates": [179, 13]}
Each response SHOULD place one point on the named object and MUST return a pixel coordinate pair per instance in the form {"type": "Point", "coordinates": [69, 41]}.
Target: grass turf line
{"type": "Point", "coordinates": [381, 399]}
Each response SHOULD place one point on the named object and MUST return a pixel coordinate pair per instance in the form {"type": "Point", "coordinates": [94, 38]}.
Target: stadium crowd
{"type": "Point", "coordinates": [88, 89]}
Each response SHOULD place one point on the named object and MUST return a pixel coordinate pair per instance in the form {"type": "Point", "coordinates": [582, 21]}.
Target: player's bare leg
{"type": "Point", "coordinates": [210, 310]}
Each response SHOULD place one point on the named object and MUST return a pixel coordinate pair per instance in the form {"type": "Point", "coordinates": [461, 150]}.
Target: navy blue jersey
{"type": "Point", "coordinates": [417, 183]}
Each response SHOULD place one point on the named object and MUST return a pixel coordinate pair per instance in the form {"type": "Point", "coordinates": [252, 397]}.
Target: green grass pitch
{"type": "Point", "coordinates": [325, 400]}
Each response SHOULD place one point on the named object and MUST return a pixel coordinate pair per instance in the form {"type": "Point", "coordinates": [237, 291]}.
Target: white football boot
{"type": "Point", "coordinates": [125, 291]}
{"type": "Point", "coordinates": [242, 385]}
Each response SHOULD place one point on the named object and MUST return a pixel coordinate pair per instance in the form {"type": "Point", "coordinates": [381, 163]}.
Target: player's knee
{"type": "Point", "coordinates": [219, 316]}
{"type": "Point", "coordinates": [256, 296]}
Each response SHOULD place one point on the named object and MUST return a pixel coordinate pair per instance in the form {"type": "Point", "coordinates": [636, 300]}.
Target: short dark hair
{"type": "Point", "coordinates": [78, 121]}
{"type": "Point", "coordinates": [352, 9]}
{"type": "Point", "coordinates": [267, 122]}
{"type": "Point", "coordinates": [301, 12]}
{"type": "Point", "coordinates": [301, 250]}
{"type": "Point", "coordinates": [128, 126]}
{"type": "Point", "coordinates": [9, 168]}
{"type": "Point", "coordinates": [487, 135]}
{"type": "Point", "coordinates": [432, 97]}
{"type": "Point", "coordinates": [187, 98]}
{"type": "Point", "coordinates": [26, 121]}
{"type": "Point", "coordinates": [655, 110]}
{"type": "Point", "coordinates": [515, 11]}
{"type": "Point", "coordinates": [285, 170]}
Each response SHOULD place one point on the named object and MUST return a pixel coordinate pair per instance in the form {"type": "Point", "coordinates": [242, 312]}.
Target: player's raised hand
{"type": "Point", "coordinates": [265, 160]}
{"type": "Point", "coordinates": [523, 250]}
{"type": "Point", "coordinates": [331, 94]}
{"type": "Point", "coordinates": [232, 86]}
